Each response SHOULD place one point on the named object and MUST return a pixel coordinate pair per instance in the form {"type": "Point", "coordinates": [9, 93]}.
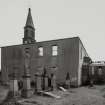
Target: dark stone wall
{"type": "Point", "coordinates": [12, 60]}
{"type": "Point", "coordinates": [67, 59]}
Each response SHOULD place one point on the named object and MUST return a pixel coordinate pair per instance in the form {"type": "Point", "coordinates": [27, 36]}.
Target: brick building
{"type": "Point", "coordinates": [97, 72]}
{"type": "Point", "coordinates": [58, 57]}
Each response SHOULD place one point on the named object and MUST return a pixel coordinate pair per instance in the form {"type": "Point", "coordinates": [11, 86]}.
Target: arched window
{"type": "Point", "coordinates": [54, 50]}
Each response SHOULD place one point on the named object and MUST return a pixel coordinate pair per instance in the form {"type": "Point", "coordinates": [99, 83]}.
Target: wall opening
{"type": "Point", "coordinates": [40, 49]}
{"type": "Point", "coordinates": [54, 50]}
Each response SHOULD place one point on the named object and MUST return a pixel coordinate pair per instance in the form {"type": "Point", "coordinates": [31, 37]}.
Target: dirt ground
{"type": "Point", "coordinates": [74, 96]}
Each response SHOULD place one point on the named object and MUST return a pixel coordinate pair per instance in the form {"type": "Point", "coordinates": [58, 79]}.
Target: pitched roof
{"type": "Point", "coordinates": [29, 21]}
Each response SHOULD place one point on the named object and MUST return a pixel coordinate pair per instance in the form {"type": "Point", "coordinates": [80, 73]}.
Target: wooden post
{"type": "Point", "coordinates": [46, 82]}
{"type": "Point", "coordinates": [53, 82]}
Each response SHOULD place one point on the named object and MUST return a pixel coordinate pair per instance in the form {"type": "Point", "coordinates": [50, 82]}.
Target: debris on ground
{"type": "Point", "coordinates": [63, 89]}
{"type": "Point", "coordinates": [78, 96]}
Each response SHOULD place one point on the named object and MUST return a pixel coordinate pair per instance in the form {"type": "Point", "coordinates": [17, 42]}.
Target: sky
{"type": "Point", "coordinates": [56, 19]}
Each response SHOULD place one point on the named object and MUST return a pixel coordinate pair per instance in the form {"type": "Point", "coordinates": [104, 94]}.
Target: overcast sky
{"type": "Point", "coordinates": [54, 19]}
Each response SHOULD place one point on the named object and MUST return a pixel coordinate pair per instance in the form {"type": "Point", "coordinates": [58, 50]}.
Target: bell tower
{"type": "Point", "coordinates": [29, 30]}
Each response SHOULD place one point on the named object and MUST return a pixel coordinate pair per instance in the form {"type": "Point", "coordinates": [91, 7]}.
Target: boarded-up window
{"type": "Point", "coordinates": [40, 51]}
{"type": "Point", "coordinates": [54, 50]}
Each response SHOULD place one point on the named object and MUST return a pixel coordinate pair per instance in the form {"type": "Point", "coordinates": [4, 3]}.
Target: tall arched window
{"type": "Point", "coordinates": [54, 50]}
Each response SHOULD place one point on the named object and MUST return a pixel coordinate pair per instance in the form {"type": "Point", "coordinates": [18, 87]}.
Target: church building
{"type": "Point", "coordinates": [55, 57]}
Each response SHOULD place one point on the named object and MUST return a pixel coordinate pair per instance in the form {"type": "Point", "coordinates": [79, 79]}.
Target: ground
{"type": "Point", "coordinates": [74, 96]}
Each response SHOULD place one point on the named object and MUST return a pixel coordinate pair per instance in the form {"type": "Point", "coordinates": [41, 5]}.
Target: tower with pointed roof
{"type": "Point", "coordinates": [29, 30]}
